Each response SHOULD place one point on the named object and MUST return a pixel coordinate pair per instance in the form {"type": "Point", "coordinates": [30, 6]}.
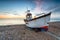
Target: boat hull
{"type": "Point", "coordinates": [39, 23]}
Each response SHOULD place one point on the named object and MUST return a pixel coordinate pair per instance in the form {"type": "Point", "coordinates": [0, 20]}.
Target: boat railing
{"type": "Point", "coordinates": [40, 14]}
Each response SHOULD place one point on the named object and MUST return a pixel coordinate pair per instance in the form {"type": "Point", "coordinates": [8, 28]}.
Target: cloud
{"type": "Point", "coordinates": [38, 5]}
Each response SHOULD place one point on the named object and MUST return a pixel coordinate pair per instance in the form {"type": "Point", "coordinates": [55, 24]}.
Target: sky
{"type": "Point", "coordinates": [18, 8]}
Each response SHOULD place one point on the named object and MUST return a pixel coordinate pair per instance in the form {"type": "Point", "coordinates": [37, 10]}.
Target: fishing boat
{"type": "Point", "coordinates": [41, 21]}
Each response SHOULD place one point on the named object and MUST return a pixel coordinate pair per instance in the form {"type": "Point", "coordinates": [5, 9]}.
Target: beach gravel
{"type": "Point", "coordinates": [20, 32]}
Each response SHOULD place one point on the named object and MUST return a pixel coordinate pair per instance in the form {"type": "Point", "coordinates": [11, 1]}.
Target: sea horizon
{"type": "Point", "coordinates": [15, 21]}
{"type": "Point", "coordinates": [11, 21]}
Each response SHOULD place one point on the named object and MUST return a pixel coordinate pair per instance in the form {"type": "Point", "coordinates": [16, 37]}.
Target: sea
{"type": "Point", "coordinates": [17, 21]}
{"type": "Point", "coordinates": [11, 21]}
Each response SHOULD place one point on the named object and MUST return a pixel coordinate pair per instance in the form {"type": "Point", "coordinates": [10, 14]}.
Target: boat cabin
{"type": "Point", "coordinates": [29, 15]}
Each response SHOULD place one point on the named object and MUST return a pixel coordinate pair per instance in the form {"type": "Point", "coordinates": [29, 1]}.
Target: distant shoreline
{"type": "Point", "coordinates": [54, 21]}
{"type": "Point", "coordinates": [12, 24]}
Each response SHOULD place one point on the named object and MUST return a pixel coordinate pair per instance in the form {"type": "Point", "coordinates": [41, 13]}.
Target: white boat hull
{"type": "Point", "coordinates": [38, 23]}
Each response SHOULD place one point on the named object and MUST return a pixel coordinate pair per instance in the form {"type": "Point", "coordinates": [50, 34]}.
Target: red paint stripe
{"type": "Point", "coordinates": [45, 27]}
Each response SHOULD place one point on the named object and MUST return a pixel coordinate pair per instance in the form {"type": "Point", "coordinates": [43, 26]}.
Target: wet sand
{"type": "Point", "coordinates": [20, 32]}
